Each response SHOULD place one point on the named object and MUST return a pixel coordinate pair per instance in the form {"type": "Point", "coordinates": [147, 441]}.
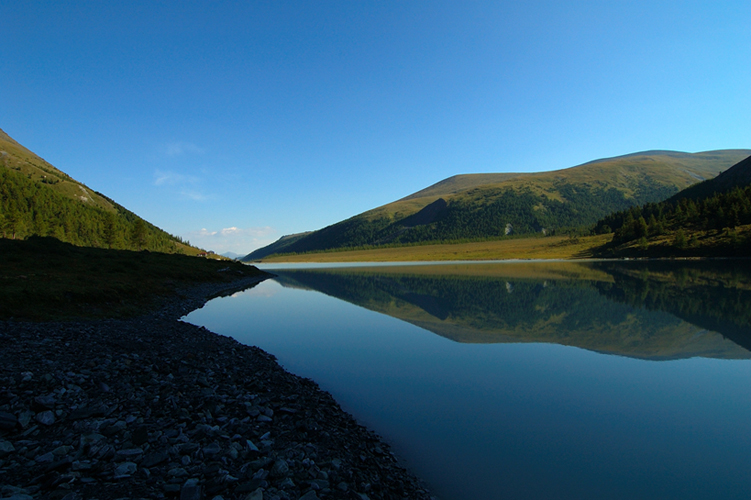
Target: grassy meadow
{"type": "Point", "coordinates": [551, 247]}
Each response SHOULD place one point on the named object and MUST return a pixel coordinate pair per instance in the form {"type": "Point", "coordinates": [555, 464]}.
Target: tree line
{"type": "Point", "coordinates": [718, 212]}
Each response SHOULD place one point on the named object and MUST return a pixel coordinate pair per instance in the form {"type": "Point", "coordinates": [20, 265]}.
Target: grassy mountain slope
{"type": "Point", "coordinates": [279, 246]}
{"type": "Point", "coordinates": [739, 175]}
{"type": "Point", "coordinates": [495, 205]}
{"type": "Point", "coordinates": [712, 218]}
{"type": "Point", "coordinates": [37, 199]}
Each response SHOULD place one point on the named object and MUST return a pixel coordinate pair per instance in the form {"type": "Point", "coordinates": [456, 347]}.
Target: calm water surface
{"type": "Point", "coordinates": [526, 380]}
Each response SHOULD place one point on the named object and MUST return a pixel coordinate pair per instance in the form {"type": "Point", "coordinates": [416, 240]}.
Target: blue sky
{"type": "Point", "coordinates": [233, 123]}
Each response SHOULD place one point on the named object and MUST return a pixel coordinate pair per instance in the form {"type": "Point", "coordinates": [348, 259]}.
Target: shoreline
{"type": "Point", "coordinates": [153, 407]}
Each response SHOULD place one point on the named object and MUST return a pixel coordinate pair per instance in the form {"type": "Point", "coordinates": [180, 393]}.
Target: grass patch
{"type": "Point", "coordinates": [686, 243]}
{"type": "Point", "coordinates": [46, 279]}
{"type": "Point", "coordinates": [553, 247]}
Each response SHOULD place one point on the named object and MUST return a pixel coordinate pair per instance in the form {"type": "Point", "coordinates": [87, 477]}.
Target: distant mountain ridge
{"type": "Point", "coordinates": [38, 199]}
{"type": "Point", "coordinates": [477, 206]}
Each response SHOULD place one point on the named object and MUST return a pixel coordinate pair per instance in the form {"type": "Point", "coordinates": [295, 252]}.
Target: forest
{"type": "Point", "coordinates": [29, 208]}
{"type": "Point", "coordinates": [720, 212]}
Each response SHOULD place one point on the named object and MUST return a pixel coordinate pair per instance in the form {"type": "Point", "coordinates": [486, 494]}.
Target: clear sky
{"type": "Point", "coordinates": [233, 123]}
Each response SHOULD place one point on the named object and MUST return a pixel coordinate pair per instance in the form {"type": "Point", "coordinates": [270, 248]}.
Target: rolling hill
{"type": "Point", "coordinates": [37, 199]}
{"type": "Point", "coordinates": [481, 206]}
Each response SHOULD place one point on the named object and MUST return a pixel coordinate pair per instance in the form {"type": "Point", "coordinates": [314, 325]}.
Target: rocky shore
{"type": "Point", "coordinates": [153, 407]}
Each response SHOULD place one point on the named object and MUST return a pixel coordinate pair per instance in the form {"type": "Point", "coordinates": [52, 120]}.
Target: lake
{"type": "Point", "coordinates": [526, 380]}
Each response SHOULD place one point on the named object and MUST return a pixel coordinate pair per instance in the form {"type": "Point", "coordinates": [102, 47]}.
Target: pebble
{"type": "Point", "coordinates": [150, 407]}
{"type": "Point", "coordinates": [191, 490]}
{"type": "Point", "coordinates": [46, 418]}
{"type": "Point", "coordinates": [125, 469]}
{"type": "Point", "coordinates": [6, 447]}
{"type": "Point", "coordinates": [256, 495]}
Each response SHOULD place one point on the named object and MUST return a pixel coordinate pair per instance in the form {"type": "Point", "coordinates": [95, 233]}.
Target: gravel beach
{"type": "Point", "coordinates": [152, 407]}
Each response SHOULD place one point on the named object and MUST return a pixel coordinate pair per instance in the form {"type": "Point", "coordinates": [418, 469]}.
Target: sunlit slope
{"type": "Point", "coordinates": [38, 199]}
{"type": "Point", "coordinates": [666, 167]}
{"type": "Point", "coordinates": [17, 158]}
{"type": "Point", "coordinates": [495, 205]}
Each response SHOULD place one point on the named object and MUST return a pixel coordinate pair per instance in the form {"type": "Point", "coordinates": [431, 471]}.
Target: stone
{"type": "Point", "coordinates": [7, 421]}
{"type": "Point", "coordinates": [130, 453]}
{"type": "Point", "coordinates": [280, 468]}
{"type": "Point", "coordinates": [45, 458]}
{"type": "Point", "coordinates": [287, 483]}
{"type": "Point", "coordinates": [187, 448]}
{"type": "Point", "coordinates": [115, 428]}
{"type": "Point", "coordinates": [319, 483]}
{"type": "Point", "coordinates": [24, 418]}
{"type": "Point", "coordinates": [212, 450]}
{"type": "Point", "coordinates": [172, 488]}
{"type": "Point", "coordinates": [45, 402]}
{"type": "Point", "coordinates": [155, 458]}
{"type": "Point", "coordinates": [178, 472]}
{"type": "Point", "coordinates": [255, 495]}
{"type": "Point", "coordinates": [6, 448]}
{"type": "Point", "coordinates": [125, 469]}
{"type": "Point", "coordinates": [61, 450]}
{"type": "Point", "coordinates": [191, 490]}
{"type": "Point", "coordinates": [78, 465]}
{"type": "Point", "coordinates": [311, 495]}
{"type": "Point", "coordinates": [46, 418]}
{"type": "Point", "coordinates": [140, 436]}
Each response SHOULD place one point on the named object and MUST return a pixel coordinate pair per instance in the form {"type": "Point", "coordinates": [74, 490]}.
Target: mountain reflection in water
{"type": "Point", "coordinates": [526, 399]}
{"type": "Point", "coordinates": [652, 310]}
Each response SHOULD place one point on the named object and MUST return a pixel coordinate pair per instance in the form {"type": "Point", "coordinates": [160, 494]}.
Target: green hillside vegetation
{"type": "Point", "coordinates": [37, 199]}
{"type": "Point", "coordinates": [496, 206]}
{"type": "Point", "coordinates": [712, 218]}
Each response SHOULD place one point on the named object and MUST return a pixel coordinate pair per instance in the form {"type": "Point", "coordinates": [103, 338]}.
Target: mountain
{"type": "Point", "coordinates": [737, 176]}
{"type": "Point", "coordinates": [481, 206]}
{"type": "Point", "coordinates": [708, 219]}
{"type": "Point", "coordinates": [37, 199]}
{"type": "Point", "coordinates": [279, 246]}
